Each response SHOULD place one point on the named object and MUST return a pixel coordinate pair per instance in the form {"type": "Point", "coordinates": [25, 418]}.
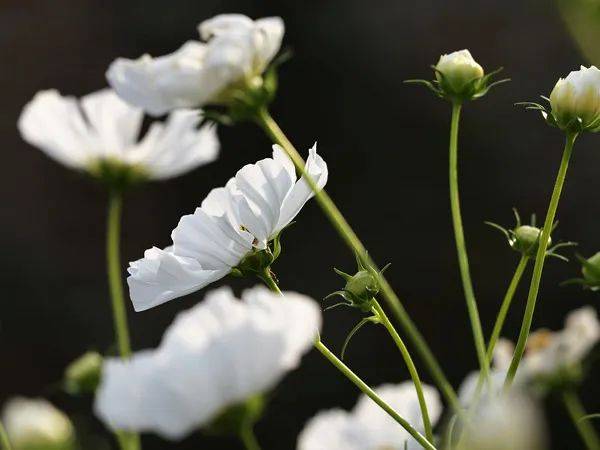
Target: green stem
{"type": "Point", "coordinates": [268, 124]}
{"type": "Point", "coordinates": [4, 441]}
{"type": "Point", "coordinates": [372, 395]}
{"type": "Point", "coordinates": [584, 427]}
{"type": "Point", "coordinates": [248, 438]}
{"type": "Point", "coordinates": [414, 375]}
{"type": "Point", "coordinates": [510, 292]}
{"type": "Point", "coordinates": [539, 260]}
{"type": "Point", "coordinates": [267, 277]}
{"type": "Point", "coordinates": [127, 441]}
{"type": "Point", "coordinates": [463, 260]}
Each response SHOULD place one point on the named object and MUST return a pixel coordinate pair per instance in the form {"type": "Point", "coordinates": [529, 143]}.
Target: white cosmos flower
{"type": "Point", "coordinates": [368, 427]}
{"type": "Point", "coordinates": [36, 424]}
{"type": "Point", "coordinates": [215, 355]}
{"type": "Point", "coordinates": [577, 97]}
{"type": "Point", "coordinates": [102, 128]}
{"type": "Point", "coordinates": [237, 51]}
{"type": "Point", "coordinates": [232, 221]}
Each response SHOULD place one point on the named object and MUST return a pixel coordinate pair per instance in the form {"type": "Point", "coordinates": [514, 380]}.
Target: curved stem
{"type": "Point", "coordinates": [463, 260]}
{"type": "Point", "coordinates": [248, 438]}
{"type": "Point", "coordinates": [539, 260]}
{"type": "Point", "coordinates": [127, 441]}
{"type": "Point", "coordinates": [268, 124]}
{"type": "Point", "coordinates": [584, 427]}
{"type": "Point", "coordinates": [348, 373]}
{"type": "Point", "coordinates": [4, 441]}
{"type": "Point", "coordinates": [510, 292]}
{"type": "Point", "coordinates": [414, 375]}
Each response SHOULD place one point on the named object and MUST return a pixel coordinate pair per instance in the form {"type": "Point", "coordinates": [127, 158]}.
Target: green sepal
{"type": "Point", "coordinates": [590, 269]}
{"type": "Point", "coordinates": [233, 419]}
{"type": "Point", "coordinates": [116, 175]}
{"type": "Point", "coordinates": [83, 375]}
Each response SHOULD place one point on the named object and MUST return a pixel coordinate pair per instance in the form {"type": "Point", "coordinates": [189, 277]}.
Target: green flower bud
{"type": "Point", "coordinates": [83, 375]}
{"type": "Point", "coordinates": [457, 73]}
{"type": "Point", "coordinates": [34, 424]}
{"type": "Point", "coordinates": [591, 271]}
{"type": "Point", "coordinates": [526, 239]}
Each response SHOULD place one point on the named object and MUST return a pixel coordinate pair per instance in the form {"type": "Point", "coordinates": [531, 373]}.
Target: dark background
{"type": "Point", "coordinates": [386, 145]}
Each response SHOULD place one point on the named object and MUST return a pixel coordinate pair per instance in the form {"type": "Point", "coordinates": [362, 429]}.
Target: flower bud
{"type": "Point", "coordinates": [591, 271]}
{"type": "Point", "coordinates": [82, 376]}
{"type": "Point", "coordinates": [527, 239]}
{"type": "Point", "coordinates": [575, 100]}
{"type": "Point", "coordinates": [458, 73]}
{"type": "Point", "coordinates": [34, 424]}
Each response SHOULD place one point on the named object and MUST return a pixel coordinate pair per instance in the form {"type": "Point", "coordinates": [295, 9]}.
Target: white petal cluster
{"type": "Point", "coordinates": [103, 128]}
{"type": "Point", "coordinates": [215, 355]}
{"type": "Point", "coordinates": [237, 50]}
{"type": "Point", "coordinates": [368, 427]}
{"type": "Point", "coordinates": [459, 69]}
{"type": "Point", "coordinates": [36, 424]}
{"type": "Point", "coordinates": [232, 221]}
{"type": "Point", "coordinates": [577, 97]}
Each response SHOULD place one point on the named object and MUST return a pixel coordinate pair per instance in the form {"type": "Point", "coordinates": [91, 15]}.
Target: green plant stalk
{"type": "Point", "coordinates": [539, 260]}
{"type": "Point", "coordinates": [127, 441]}
{"type": "Point", "coordinates": [333, 214]}
{"type": "Point", "coordinates": [4, 441]}
{"type": "Point", "coordinates": [414, 374]}
{"type": "Point", "coordinates": [500, 319]}
{"type": "Point", "coordinates": [577, 412]}
{"type": "Point", "coordinates": [248, 438]}
{"type": "Point", "coordinates": [463, 260]}
{"type": "Point", "coordinates": [355, 379]}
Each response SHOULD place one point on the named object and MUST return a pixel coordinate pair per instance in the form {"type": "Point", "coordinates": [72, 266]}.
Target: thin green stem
{"type": "Point", "coordinates": [127, 441]}
{"type": "Point", "coordinates": [577, 412]}
{"type": "Point", "coordinates": [333, 214]}
{"type": "Point", "coordinates": [500, 319]}
{"type": "Point", "coordinates": [4, 441]}
{"type": "Point", "coordinates": [372, 395]}
{"type": "Point", "coordinates": [539, 260]}
{"type": "Point", "coordinates": [113, 258]}
{"type": "Point", "coordinates": [414, 374]}
{"type": "Point", "coordinates": [248, 438]}
{"type": "Point", "coordinates": [268, 279]}
{"type": "Point", "coordinates": [463, 260]}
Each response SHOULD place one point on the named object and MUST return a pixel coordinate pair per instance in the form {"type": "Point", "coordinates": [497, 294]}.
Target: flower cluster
{"type": "Point", "coordinates": [232, 224]}
{"type": "Point", "coordinates": [218, 354]}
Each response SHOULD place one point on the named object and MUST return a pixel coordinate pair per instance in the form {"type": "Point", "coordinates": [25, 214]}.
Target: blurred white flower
{"type": "Point", "coordinates": [367, 426]}
{"type": "Point", "coordinates": [577, 98]}
{"type": "Point", "coordinates": [506, 422]}
{"type": "Point", "coordinates": [232, 221]}
{"type": "Point", "coordinates": [215, 355]}
{"type": "Point", "coordinates": [103, 129]}
{"type": "Point", "coordinates": [459, 69]}
{"type": "Point", "coordinates": [34, 424]}
{"type": "Point", "coordinates": [237, 51]}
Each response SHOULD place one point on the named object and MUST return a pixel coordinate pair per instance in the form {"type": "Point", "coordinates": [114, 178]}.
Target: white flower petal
{"type": "Point", "coordinates": [55, 124]}
{"type": "Point", "coordinates": [177, 146]}
{"type": "Point", "coordinates": [269, 37]}
{"type": "Point", "coordinates": [333, 430]}
{"type": "Point", "coordinates": [162, 276]}
{"type": "Point", "coordinates": [161, 84]}
{"type": "Point", "coordinates": [224, 23]}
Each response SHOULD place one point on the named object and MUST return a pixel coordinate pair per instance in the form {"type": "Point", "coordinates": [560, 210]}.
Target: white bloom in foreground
{"type": "Point", "coordinates": [507, 422]}
{"type": "Point", "coordinates": [100, 128]}
{"type": "Point", "coordinates": [459, 69]}
{"type": "Point", "coordinates": [232, 221]}
{"type": "Point", "coordinates": [577, 98]}
{"type": "Point", "coordinates": [237, 51]}
{"type": "Point", "coordinates": [367, 426]}
{"type": "Point", "coordinates": [215, 355]}
{"type": "Point", "coordinates": [34, 424]}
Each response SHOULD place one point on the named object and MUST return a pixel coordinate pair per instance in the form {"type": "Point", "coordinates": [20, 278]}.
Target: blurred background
{"type": "Point", "coordinates": [386, 145]}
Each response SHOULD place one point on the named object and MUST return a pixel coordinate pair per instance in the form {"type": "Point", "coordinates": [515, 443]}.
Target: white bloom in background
{"type": "Point", "coordinates": [232, 221]}
{"type": "Point", "coordinates": [551, 351]}
{"type": "Point", "coordinates": [102, 128]}
{"type": "Point", "coordinates": [367, 426]}
{"type": "Point", "coordinates": [34, 424]}
{"type": "Point", "coordinates": [215, 355]}
{"type": "Point", "coordinates": [577, 97]}
{"type": "Point", "coordinates": [236, 53]}
{"type": "Point", "coordinates": [506, 422]}
{"type": "Point", "coordinates": [459, 69]}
